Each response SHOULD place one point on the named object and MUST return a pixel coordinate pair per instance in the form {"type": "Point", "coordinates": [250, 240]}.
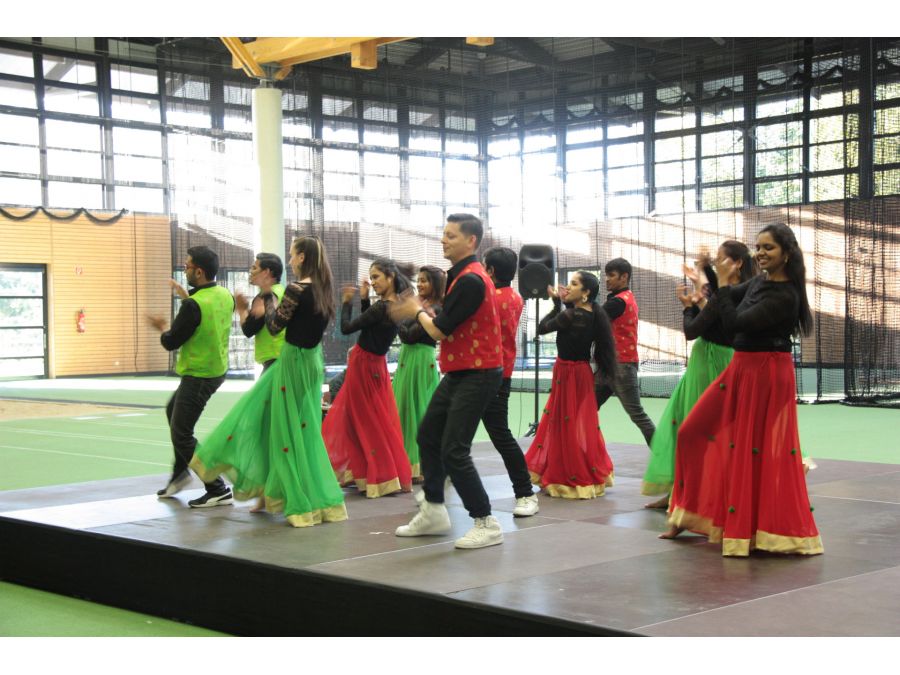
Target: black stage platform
{"type": "Point", "coordinates": [592, 567]}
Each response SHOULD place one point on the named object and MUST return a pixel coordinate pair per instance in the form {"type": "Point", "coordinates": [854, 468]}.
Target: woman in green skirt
{"type": "Point", "coordinates": [270, 443]}
{"type": "Point", "coordinates": [417, 374]}
{"type": "Point", "coordinates": [710, 355]}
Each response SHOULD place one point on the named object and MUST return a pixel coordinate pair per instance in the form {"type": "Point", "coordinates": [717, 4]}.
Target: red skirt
{"type": "Point", "coordinates": [738, 468]}
{"type": "Point", "coordinates": [568, 455]}
{"type": "Point", "coordinates": [362, 429]}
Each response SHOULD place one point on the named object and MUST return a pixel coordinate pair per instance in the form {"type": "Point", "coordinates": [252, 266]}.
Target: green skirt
{"type": "Point", "coordinates": [706, 363]}
{"type": "Point", "coordinates": [415, 380]}
{"type": "Point", "coordinates": [270, 443]}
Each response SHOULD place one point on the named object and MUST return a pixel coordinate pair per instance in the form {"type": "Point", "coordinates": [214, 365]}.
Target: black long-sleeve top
{"type": "Point", "coordinates": [705, 323]}
{"type": "Point", "coordinates": [463, 300]}
{"type": "Point", "coordinates": [303, 327]}
{"type": "Point", "coordinates": [252, 325]}
{"type": "Point", "coordinates": [185, 322]}
{"type": "Point", "coordinates": [411, 332]}
{"type": "Point", "coordinates": [614, 306]}
{"type": "Point", "coordinates": [761, 314]}
{"type": "Point", "coordinates": [377, 331]}
{"type": "Point", "coordinates": [574, 331]}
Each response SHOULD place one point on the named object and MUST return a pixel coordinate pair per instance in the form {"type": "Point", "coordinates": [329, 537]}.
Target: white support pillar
{"type": "Point", "coordinates": [267, 140]}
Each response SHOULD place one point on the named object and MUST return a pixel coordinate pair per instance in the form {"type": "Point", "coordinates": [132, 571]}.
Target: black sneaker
{"type": "Point", "coordinates": [175, 485]}
{"type": "Point", "coordinates": [211, 499]}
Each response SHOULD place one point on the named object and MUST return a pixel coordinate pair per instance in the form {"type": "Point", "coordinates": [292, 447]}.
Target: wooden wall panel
{"type": "Point", "coordinates": [116, 272]}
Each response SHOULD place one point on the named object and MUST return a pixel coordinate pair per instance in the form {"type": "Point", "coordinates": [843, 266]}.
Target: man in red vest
{"type": "Point", "coordinates": [622, 310]}
{"type": "Point", "coordinates": [501, 264]}
{"type": "Point", "coordinates": [471, 359]}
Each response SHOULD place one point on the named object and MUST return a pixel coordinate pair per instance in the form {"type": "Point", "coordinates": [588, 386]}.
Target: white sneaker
{"type": "Point", "coordinates": [419, 495]}
{"type": "Point", "coordinates": [486, 532]}
{"type": "Point", "coordinates": [526, 506]}
{"type": "Point", "coordinates": [175, 485]}
{"type": "Point", "coordinates": [431, 519]}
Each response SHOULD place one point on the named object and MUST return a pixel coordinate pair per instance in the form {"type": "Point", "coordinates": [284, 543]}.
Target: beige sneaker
{"type": "Point", "coordinates": [431, 519]}
{"type": "Point", "coordinates": [486, 532]}
{"type": "Point", "coordinates": [526, 506]}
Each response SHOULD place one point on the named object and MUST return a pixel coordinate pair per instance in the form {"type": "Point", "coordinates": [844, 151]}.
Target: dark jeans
{"type": "Point", "coordinates": [446, 433]}
{"type": "Point", "coordinates": [183, 410]}
{"type": "Point", "coordinates": [627, 389]}
{"type": "Point", "coordinates": [496, 422]}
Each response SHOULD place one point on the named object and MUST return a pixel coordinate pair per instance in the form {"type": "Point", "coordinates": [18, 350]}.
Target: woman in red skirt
{"type": "Point", "coordinates": [739, 475]}
{"type": "Point", "coordinates": [568, 455]}
{"type": "Point", "coordinates": [362, 429]}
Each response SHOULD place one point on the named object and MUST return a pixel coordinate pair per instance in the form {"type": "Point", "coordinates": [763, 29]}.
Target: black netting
{"type": "Point", "coordinates": [647, 149]}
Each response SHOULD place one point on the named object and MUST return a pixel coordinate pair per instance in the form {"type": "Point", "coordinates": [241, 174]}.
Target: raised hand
{"type": "Point", "coordinates": [241, 304]}
{"type": "Point", "coordinates": [364, 287]}
{"type": "Point", "coordinates": [178, 289]}
{"type": "Point", "coordinates": [726, 270]}
{"type": "Point", "coordinates": [684, 295]}
{"type": "Point", "coordinates": [404, 308]}
{"type": "Point", "coordinates": [156, 321]}
{"type": "Point", "coordinates": [691, 273]}
{"type": "Point", "coordinates": [258, 310]}
{"type": "Point", "coordinates": [347, 293]}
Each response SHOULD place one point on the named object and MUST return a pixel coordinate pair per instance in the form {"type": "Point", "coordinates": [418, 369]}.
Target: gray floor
{"type": "Point", "coordinates": [598, 561]}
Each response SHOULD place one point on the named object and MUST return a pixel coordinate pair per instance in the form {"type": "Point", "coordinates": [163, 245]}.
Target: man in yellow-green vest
{"type": "Point", "coordinates": [266, 275]}
{"type": "Point", "coordinates": [200, 332]}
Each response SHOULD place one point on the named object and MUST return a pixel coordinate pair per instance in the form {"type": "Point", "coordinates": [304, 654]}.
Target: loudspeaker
{"type": "Point", "coordinates": [536, 266]}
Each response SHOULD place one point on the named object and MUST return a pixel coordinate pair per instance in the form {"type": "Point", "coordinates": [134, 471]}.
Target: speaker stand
{"type": "Point", "coordinates": [532, 428]}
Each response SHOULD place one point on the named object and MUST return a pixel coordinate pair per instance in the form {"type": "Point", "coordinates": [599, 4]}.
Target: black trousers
{"type": "Point", "coordinates": [626, 388]}
{"type": "Point", "coordinates": [496, 423]}
{"type": "Point", "coordinates": [183, 410]}
{"type": "Point", "coordinates": [446, 433]}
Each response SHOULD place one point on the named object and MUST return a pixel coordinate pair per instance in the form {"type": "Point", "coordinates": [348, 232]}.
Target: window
{"type": "Point", "coordinates": [22, 321]}
{"type": "Point", "coordinates": [676, 171]}
{"type": "Point", "coordinates": [20, 145]}
{"type": "Point", "coordinates": [778, 159]}
{"type": "Point", "coordinates": [139, 108]}
{"type": "Point", "coordinates": [626, 187]}
{"type": "Point", "coordinates": [584, 186]}
{"type": "Point", "coordinates": [15, 62]}
{"type": "Point", "coordinates": [75, 70]}
{"type": "Point", "coordinates": [722, 169]}
{"type": "Point", "coordinates": [133, 78]}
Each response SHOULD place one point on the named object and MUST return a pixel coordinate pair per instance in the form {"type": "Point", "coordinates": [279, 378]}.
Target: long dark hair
{"type": "Point", "coordinates": [795, 269]}
{"type": "Point", "coordinates": [604, 347]}
{"type": "Point", "coordinates": [438, 279]}
{"type": "Point", "coordinates": [389, 268]}
{"type": "Point", "coordinates": [315, 266]}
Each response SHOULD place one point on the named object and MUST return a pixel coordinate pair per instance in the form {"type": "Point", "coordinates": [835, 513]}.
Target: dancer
{"type": "Point", "coordinates": [710, 354]}
{"type": "Point", "coordinates": [362, 428]}
{"type": "Point", "coordinates": [417, 374]}
{"type": "Point", "coordinates": [739, 475]}
{"type": "Point", "coordinates": [265, 273]}
{"type": "Point", "coordinates": [622, 310]}
{"type": "Point", "coordinates": [270, 443]}
{"type": "Point", "coordinates": [567, 457]}
{"type": "Point", "coordinates": [471, 359]}
{"type": "Point", "coordinates": [501, 263]}
{"type": "Point", "coordinates": [200, 332]}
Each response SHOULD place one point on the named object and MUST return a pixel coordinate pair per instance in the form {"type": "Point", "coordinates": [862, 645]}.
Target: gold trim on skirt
{"type": "Point", "coordinates": [332, 514]}
{"type": "Point", "coordinates": [373, 491]}
{"type": "Point", "coordinates": [653, 489]}
{"type": "Point", "coordinates": [762, 540]}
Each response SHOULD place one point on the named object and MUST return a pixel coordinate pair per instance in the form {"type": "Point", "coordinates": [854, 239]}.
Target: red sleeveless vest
{"type": "Point", "coordinates": [625, 329]}
{"type": "Point", "coordinates": [509, 307]}
{"type": "Point", "coordinates": [475, 344]}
